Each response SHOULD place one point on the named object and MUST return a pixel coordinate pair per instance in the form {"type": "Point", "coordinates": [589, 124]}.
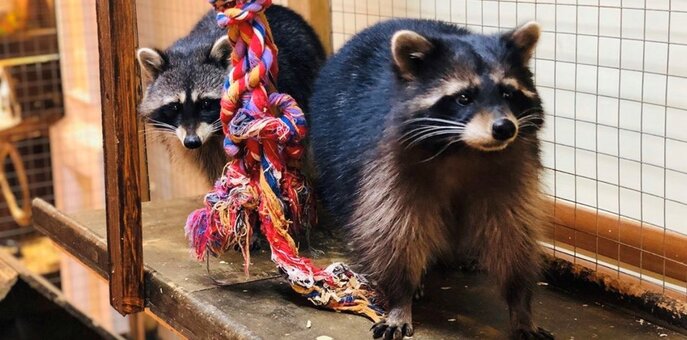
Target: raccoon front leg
{"type": "Point", "coordinates": [398, 284]}
{"type": "Point", "coordinates": [517, 290]}
{"type": "Point", "coordinates": [513, 256]}
{"type": "Point", "coordinates": [394, 252]}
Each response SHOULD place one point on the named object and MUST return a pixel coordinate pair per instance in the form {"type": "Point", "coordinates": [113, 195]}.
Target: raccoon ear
{"type": "Point", "coordinates": [221, 50]}
{"type": "Point", "coordinates": [152, 62]}
{"type": "Point", "coordinates": [525, 38]}
{"type": "Point", "coordinates": [409, 50]}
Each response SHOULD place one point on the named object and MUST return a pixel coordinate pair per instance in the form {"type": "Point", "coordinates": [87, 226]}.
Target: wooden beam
{"type": "Point", "coordinates": [73, 237]}
{"type": "Point", "coordinates": [319, 15]}
{"type": "Point", "coordinates": [644, 247]}
{"type": "Point", "coordinates": [119, 81]}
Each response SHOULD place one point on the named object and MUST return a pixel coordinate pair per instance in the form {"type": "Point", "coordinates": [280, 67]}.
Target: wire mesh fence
{"type": "Point", "coordinates": [611, 75]}
{"type": "Point", "coordinates": [32, 97]}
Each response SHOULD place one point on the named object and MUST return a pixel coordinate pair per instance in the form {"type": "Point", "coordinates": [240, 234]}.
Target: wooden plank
{"type": "Point", "coordinates": [165, 246]}
{"type": "Point", "coordinates": [195, 318]}
{"type": "Point", "coordinates": [73, 237]}
{"type": "Point", "coordinates": [658, 251]}
{"type": "Point", "coordinates": [137, 329]}
{"type": "Point", "coordinates": [319, 15]}
{"type": "Point", "coordinates": [119, 83]}
{"type": "Point", "coordinates": [8, 277]}
{"type": "Point", "coordinates": [37, 59]}
{"type": "Point", "coordinates": [456, 305]}
{"type": "Point", "coordinates": [171, 274]}
{"type": "Point", "coordinates": [166, 249]}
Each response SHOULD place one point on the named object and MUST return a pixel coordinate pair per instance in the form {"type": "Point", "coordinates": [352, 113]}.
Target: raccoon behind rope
{"type": "Point", "coordinates": [424, 137]}
{"type": "Point", "coordinates": [181, 100]}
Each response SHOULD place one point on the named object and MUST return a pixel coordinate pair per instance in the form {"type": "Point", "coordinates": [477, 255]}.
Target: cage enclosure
{"type": "Point", "coordinates": [610, 74]}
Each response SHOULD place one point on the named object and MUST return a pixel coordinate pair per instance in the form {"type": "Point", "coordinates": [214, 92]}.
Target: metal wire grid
{"type": "Point", "coordinates": [38, 89]}
{"type": "Point", "coordinates": [35, 153]}
{"type": "Point", "coordinates": [29, 56]}
{"type": "Point", "coordinates": [610, 74]}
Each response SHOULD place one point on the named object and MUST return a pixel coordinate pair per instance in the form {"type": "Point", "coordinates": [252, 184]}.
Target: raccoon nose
{"type": "Point", "coordinates": [192, 142]}
{"type": "Point", "coordinates": [503, 129]}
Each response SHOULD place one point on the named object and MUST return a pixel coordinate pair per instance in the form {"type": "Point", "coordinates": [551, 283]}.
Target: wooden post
{"type": "Point", "coordinates": [118, 40]}
{"type": "Point", "coordinates": [319, 15]}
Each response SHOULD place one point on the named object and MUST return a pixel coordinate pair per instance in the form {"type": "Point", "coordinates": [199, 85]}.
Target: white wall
{"type": "Point", "coordinates": [612, 78]}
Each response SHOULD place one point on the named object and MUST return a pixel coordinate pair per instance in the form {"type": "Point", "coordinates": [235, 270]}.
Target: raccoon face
{"type": "Point", "coordinates": [471, 90]}
{"type": "Point", "coordinates": [184, 89]}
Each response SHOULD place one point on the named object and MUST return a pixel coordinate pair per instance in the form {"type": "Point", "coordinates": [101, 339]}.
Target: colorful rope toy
{"type": "Point", "coordinates": [262, 184]}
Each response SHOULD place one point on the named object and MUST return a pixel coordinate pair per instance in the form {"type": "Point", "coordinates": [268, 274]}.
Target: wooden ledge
{"type": "Point", "coordinates": [178, 288]}
{"type": "Point", "coordinates": [180, 293]}
{"type": "Point", "coordinates": [171, 274]}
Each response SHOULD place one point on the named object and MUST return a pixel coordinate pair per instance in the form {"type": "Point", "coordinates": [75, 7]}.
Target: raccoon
{"type": "Point", "coordinates": [424, 140]}
{"type": "Point", "coordinates": [182, 97]}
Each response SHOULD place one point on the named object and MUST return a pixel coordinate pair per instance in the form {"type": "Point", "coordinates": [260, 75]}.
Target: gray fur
{"type": "Point", "coordinates": [184, 84]}
{"type": "Point", "coordinates": [450, 196]}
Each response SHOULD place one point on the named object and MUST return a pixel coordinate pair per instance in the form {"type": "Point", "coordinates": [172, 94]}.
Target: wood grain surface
{"type": "Point", "coordinates": [119, 83]}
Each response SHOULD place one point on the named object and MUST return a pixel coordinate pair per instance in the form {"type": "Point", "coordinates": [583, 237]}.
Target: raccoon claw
{"type": "Point", "coordinates": [391, 331]}
{"type": "Point", "coordinates": [533, 334]}
{"type": "Point", "coordinates": [315, 253]}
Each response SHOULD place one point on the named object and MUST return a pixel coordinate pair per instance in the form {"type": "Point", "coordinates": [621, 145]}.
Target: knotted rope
{"type": "Point", "coordinates": [262, 184]}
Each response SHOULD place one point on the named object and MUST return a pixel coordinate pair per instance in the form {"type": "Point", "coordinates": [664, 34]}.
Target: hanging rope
{"type": "Point", "coordinates": [262, 185]}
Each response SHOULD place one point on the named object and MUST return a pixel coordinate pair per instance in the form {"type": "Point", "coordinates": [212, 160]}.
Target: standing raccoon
{"type": "Point", "coordinates": [182, 98]}
{"type": "Point", "coordinates": [424, 137]}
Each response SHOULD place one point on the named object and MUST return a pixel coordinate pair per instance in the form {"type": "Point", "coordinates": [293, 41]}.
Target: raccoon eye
{"type": "Point", "coordinates": [175, 107]}
{"type": "Point", "coordinates": [464, 99]}
{"type": "Point", "coordinates": [507, 94]}
{"type": "Point", "coordinates": [205, 104]}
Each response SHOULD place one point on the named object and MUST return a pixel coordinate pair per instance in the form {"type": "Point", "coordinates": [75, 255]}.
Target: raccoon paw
{"type": "Point", "coordinates": [532, 334]}
{"type": "Point", "coordinates": [389, 330]}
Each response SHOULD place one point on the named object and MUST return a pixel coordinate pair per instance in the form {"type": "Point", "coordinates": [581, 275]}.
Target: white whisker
{"type": "Point", "coordinates": [157, 132]}
{"type": "Point", "coordinates": [160, 125]}
{"type": "Point", "coordinates": [432, 119]}
{"type": "Point", "coordinates": [531, 113]}
{"type": "Point", "coordinates": [442, 150]}
{"type": "Point", "coordinates": [422, 129]}
{"type": "Point", "coordinates": [433, 134]}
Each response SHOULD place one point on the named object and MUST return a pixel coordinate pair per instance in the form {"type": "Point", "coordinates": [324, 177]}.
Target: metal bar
{"type": "Point", "coordinates": [118, 39]}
